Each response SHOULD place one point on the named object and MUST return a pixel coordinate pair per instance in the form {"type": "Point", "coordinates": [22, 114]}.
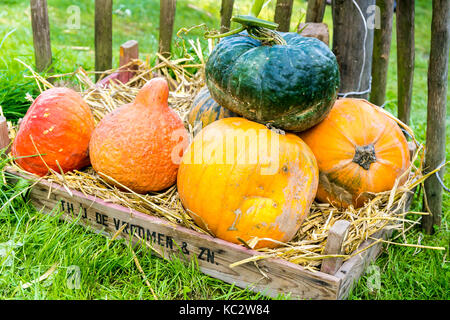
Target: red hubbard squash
{"type": "Point", "coordinates": [239, 179]}
{"type": "Point", "coordinates": [139, 145]}
{"type": "Point", "coordinates": [58, 126]}
{"type": "Point", "coordinates": [358, 149]}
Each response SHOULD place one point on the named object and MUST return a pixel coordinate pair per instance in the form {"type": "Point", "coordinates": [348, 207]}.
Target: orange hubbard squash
{"type": "Point", "coordinates": [139, 145]}
{"type": "Point", "coordinates": [239, 179]}
{"type": "Point", "coordinates": [358, 149]}
{"type": "Point", "coordinates": [57, 127]}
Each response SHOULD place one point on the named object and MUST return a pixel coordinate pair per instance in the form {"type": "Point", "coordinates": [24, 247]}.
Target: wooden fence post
{"type": "Point", "coordinates": [128, 52]}
{"type": "Point", "coordinates": [283, 13]}
{"type": "Point", "coordinates": [352, 45]}
{"type": "Point", "coordinates": [405, 57]}
{"type": "Point", "coordinates": [436, 114]}
{"type": "Point", "coordinates": [41, 34]}
{"type": "Point", "coordinates": [226, 12]}
{"type": "Point", "coordinates": [381, 49]}
{"type": "Point", "coordinates": [315, 10]}
{"type": "Point", "coordinates": [166, 21]}
{"type": "Point", "coordinates": [103, 35]}
{"type": "Point", "coordinates": [4, 135]}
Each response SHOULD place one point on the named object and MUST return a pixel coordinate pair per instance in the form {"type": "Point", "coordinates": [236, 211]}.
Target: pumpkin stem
{"type": "Point", "coordinates": [365, 156]}
{"type": "Point", "coordinates": [154, 92]}
{"type": "Point", "coordinates": [266, 36]}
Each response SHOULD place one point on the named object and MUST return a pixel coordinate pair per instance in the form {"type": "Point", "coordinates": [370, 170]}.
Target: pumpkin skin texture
{"type": "Point", "coordinates": [140, 144]}
{"type": "Point", "coordinates": [358, 149]}
{"type": "Point", "coordinates": [292, 87]}
{"type": "Point", "coordinates": [58, 125]}
{"type": "Point", "coordinates": [234, 195]}
{"type": "Point", "coordinates": [206, 110]}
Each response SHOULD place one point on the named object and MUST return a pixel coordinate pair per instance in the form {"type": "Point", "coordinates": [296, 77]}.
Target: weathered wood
{"type": "Point", "coordinates": [166, 22]}
{"type": "Point", "coordinates": [405, 58]}
{"type": "Point", "coordinates": [214, 256]}
{"type": "Point", "coordinates": [128, 51]}
{"type": "Point", "coordinates": [41, 35]}
{"type": "Point", "coordinates": [103, 35]}
{"type": "Point", "coordinates": [436, 112]}
{"type": "Point", "coordinates": [315, 10]}
{"type": "Point", "coordinates": [336, 236]}
{"type": "Point", "coordinates": [283, 13]}
{"type": "Point", "coordinates": [352, 269]}
{"type": "Point", "coordinates": [4, 135]}
{"type": "Point", "coordinates": [352, 45]}
{"type": "Point", "coordinates": [381, 49]}
{"type": "Point", "coordinates": [226, 12]}
{"type": "Point", "coordinates": [315, 30]}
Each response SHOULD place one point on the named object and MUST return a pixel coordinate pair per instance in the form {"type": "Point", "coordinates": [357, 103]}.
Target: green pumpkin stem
{"type": "Point", "coordinates": [258, 29]}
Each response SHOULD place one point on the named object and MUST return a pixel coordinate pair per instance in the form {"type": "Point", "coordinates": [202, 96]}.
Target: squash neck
{"type": "Point", "coordinates": [365, 156]}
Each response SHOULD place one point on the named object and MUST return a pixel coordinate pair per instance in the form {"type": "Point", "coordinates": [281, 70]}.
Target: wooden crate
{"type": "Point", "coordinates": [269, 276]}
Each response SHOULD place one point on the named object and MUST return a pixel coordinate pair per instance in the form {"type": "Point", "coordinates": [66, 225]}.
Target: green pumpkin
{"type": "Point", "coordinates": [291, 87]}
{"type": "Point", "coordinates": [206, 110]}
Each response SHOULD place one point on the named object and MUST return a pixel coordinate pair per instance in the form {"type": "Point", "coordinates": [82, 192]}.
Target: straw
{"type": "Point", "coordinates": [384, 210]}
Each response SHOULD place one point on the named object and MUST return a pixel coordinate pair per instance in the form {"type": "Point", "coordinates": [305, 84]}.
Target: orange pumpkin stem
{"type": "Point", "coordinates": [365, 156]}
{"type": "Point", "coordinates": [154, 93]}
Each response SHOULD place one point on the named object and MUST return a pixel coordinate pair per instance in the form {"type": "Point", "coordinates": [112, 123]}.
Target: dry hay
{"type": "Point", "coordinates": [385, 210]}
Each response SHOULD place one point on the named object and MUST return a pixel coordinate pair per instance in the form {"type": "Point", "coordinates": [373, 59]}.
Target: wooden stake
{"type": "Point", "coordinates": [336, 237]}
{"type": "Point", "coordinates": [41, 34]}
{"type": "Point", "coordinates": [226, 12]}
{"type": "Point", "coordinates": [166, 21]}
{"type": "Point", "coordinates": [436, 115]}
{"type": "Point", "coordinates": [405, 58]}
{"type": "Point", "coordinates": [315, 10]}
{"type": "Point", "coordinates": [381, 49]}
{"type": "Point", "coordinates": [103, 35]}
{"type": "Point", "coordinates": [352, 45]}
{"type": "Point", "coordinates": [4, 135]}
{"type": "Point", "coordinates": [128, 52]}
{"type": "Point", "coordinates": [283, 13]}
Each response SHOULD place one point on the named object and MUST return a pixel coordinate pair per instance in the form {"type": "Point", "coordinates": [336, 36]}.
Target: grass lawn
{"type": "Point", "coordinates": [89, 266]}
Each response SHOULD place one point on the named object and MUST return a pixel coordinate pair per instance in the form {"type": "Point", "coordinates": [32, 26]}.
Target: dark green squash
{"type": "Point", "coordinates": [291, 86]}
{"type": "Point", "coordinates": [205, 109]}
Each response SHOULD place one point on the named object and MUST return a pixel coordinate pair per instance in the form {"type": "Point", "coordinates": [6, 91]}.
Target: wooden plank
{"type": "Point", "coordinates": [315, 30]}
{"type": "Point", "coordinates": [381, 49]}
{"type": "Point", "coordinates": [103, 35]}
{"type": "Point", "coordinates": [41, 35]}
{"type": "Point", "coordinates": [352, 269]}
{"type": "Point", "coordinates": [4, 135]}
{"type": "Point", "coordinates": [405, 58]}
{"type": "Point", "coordinates": [283, 13]}
{"type": "Point", "coordinates": [436, 112]}
{"type": "Point", "coordinates": [269, 276]}
{"type": "Point", "coordinates": [352, 45]}
{"type": "Point", "coordinates": [315, 10]}
{"type": "Point", "coordinates": [128, 51]}
{"type": "Point", "coordinates": [336, 236]}
{"type": "Point", "coordinates": [166, 21]}
{"type": "Point", "coordinates": [226, 12]}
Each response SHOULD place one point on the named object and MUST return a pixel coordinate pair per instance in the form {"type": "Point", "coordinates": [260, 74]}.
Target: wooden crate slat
{"type": "Point", "coordinates": [214, 255]}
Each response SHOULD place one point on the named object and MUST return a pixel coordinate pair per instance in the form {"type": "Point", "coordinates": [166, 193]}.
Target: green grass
{"type": "Point", "coordinates": [107, 269]}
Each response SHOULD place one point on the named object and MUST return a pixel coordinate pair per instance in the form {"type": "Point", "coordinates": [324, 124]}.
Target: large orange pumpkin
{"type": "Point", "coordinates": [139, 145]}
{"type": "Point", "coordinates": [358, 149]}
{"type": "Point", "coordinates": [239, 179]}
{"type": "Point", "coordinates": [57, 126]}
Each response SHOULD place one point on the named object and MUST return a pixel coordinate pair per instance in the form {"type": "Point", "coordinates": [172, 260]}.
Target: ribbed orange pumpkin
{"type": "Point", "coordinates": [140, 144]}
{"type": "Point", "coordinates": [358, 149]}
{"type": "Point", "coordinates": [58, 126]}
{"type": "Point", "coordinates": [239, 179]}
{"type": "Point", "coordinates": [206, 110]}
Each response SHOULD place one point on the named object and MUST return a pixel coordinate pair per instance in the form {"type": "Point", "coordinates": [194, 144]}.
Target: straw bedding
{"type": "Point", "coordinates": [384, 210]}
